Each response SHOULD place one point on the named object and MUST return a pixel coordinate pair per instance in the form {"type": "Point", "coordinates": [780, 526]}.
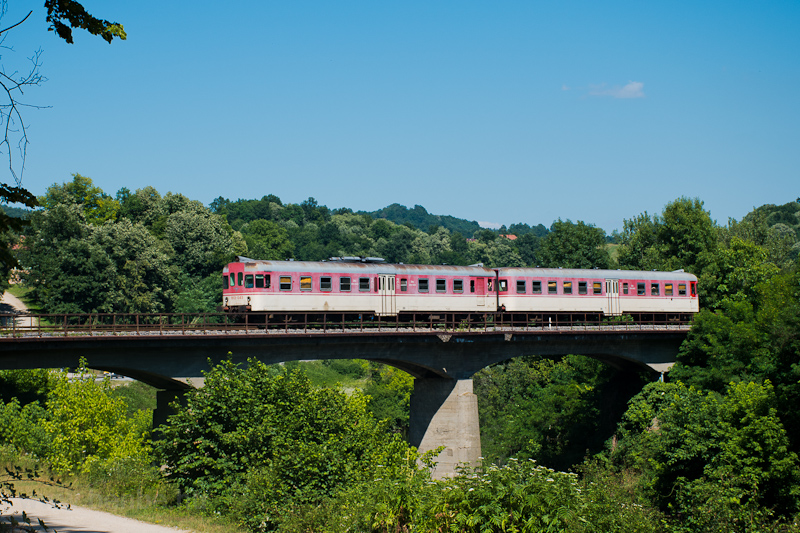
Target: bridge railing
{"type": "Point", "coordinates": [143, 324]}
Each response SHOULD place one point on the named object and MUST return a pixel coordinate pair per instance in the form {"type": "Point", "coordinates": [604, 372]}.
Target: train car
{"type": "Point", "coordinates": [355, 285]}
{"type": "Point", "coordinates": [372, 286]}
{"type": "Point", "coordinates": [610, 292]}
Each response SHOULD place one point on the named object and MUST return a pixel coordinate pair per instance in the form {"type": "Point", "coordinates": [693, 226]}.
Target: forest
{"type": "Point", "coordinates": [569, 444]}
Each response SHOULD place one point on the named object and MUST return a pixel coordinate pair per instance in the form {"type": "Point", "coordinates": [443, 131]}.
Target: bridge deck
{"type": "Point", "coordinates": [16, 327]}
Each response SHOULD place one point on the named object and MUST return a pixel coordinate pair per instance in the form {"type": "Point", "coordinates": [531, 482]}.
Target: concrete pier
{"type": "Point", "coordinates": [164, 400]}
{"type": "Point", "coordinates": [444, 412]}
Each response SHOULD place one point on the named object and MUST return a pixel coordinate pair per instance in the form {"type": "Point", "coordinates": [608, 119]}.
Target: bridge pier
{"type": "Point", "coordinates": [444, 412]}
{"type": "Point", "coordinates": [164, 399]}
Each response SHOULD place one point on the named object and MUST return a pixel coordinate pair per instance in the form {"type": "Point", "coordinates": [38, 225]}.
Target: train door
{"type": "Point", "coordinates": [387, 294]}
{"type": "Point", "coordinates": [477, 286]}
{"type": "Point", "coordinates": [612, 298]}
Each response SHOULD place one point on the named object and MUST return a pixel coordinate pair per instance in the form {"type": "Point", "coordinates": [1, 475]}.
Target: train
{"type": "Point", "coordinates": [373, 287]}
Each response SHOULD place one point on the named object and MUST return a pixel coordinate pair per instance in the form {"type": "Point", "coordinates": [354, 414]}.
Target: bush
{"type": "Point", "coordinates": [22, 427]}
{"type": "Point", "coordinates": [260, 440]}
{"type": "Point", "coordinates": [87, 424]}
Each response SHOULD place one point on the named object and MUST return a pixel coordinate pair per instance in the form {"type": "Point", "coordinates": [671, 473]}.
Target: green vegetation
{"type": "Point", "coordinates": [570, 445]}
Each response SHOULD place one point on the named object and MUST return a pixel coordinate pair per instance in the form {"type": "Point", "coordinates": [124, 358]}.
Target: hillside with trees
{"type": "Point", "coordinates": [569, 444]}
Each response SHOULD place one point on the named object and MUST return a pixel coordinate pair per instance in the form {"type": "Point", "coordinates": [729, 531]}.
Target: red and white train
{"type": "Point", "coordinates": [373, 287]}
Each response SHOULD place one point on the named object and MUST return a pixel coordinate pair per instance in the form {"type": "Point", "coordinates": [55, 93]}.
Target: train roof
{"type": "Point", "coordinates": [374, 267]}
{"type": "Point", "coordinates": [596, 273]}
{"type": "Point", "coordinates": [366, 268]}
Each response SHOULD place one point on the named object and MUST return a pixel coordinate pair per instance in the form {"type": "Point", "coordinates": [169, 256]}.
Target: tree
{"type": "Point", "coordinates": [75, 266]}
{"type": "Point", "coordinates": [683, 237]}
{"type": "Point", "coordinates": [10, 227]}
{"type": "Point", "coordinates": [495, 252]}
{"type": "Point", "coordinates": [551, 411]}
{"type": "Point", "coordinates": [145, 282]}
{"type": "Point", "coordinates": [98, 207]}
{"type": "Point", "coordinates": [145, 206]}
{"type": "Point", "coordinates": [706, 453]}
{"type": "Point", "coordinates": [685, 234]}
{"type": "Point", "coordinates": [574, 245]}
{"type": "Point", "coordinates": [200, 239]}
{"type": "Point", "coordinates": [638, 243]}
{"type": "Point", "coordinates": [735, 271]}
{"type": "Point", "coordinates": [88, 425]}
{"type": "Point", "coordinates": [267, 240]}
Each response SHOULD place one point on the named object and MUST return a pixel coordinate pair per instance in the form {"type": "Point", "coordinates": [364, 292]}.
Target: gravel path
{"type": "Point", "coordinates": [79, 519]}
{"type": "Point", "coordinates": [12, 304]}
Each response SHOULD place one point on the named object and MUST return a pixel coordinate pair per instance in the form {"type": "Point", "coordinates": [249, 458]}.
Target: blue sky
{"type": "Point", "coordinates": [499, 112]}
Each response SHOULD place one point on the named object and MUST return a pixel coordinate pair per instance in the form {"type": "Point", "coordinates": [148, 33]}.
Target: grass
{"type": "Point", "coordinates": [348, 373]}
{"type": "Point", "coordinates": [137, 395]}
{"type": "Point", "coordinates": [613, 251]}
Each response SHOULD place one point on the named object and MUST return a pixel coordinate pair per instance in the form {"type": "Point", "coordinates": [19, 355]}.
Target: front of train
{"type": "Point", "coordinates": [235, 298]}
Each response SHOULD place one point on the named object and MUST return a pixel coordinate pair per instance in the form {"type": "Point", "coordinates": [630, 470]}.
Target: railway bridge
{"type": "Point", "coordinates": [441, 352]}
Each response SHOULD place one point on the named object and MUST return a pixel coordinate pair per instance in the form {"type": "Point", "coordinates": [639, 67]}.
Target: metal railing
{"type": "Point", "coordinates": [13, 326]}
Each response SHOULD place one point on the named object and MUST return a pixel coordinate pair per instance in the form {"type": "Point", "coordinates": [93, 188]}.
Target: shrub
{"type": "Point", "coordinates": [87, 424]}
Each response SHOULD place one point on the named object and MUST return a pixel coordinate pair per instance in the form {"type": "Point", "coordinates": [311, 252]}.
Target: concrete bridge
{"type": "Point", "coordinates": [442, 357]}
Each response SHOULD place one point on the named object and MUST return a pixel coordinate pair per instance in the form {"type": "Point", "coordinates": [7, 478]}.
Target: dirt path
{"type": "Point", "coordinates": [79, 519]}
{"type": "Point", "coordinates": [12, 304]}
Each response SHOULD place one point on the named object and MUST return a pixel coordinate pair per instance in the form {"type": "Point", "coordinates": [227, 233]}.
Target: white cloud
{"type": "Point", "coordinates": [490, 225]}
{"type": "Point", "coordinates": [634, 89]}
{"type": "Point", "coordinates": [565, 88]}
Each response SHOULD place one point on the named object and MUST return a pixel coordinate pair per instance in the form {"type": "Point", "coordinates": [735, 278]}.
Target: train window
{"type": "Point", "coordinates": [441, 285]}
{"type": "Point", "coordinates": [521, 288]}
{"type": "Point", "coordinates": [536, 287]}
{"type": "Point", "coordinates": [491, 285]}
{"type": "Point", "coordinates": [552, 287]}
{"type": "Point", "coordinates": [567, 287]}
{"type": "Point", "coordinates": [286, 283]}
{"type": "Point", "coordinates": [694, 288]}
{"type": "Point", "coordinates": [305, 283]}
{"type": "Point", "coordinates": [344, 284]}
{"type": "Point", "coordinates": [472, 285]}
{"type": "Point", "coordinates": [363, 284]}
{"type": "Point", "coordinates": [233, 280]}
{"type": "Point", "coordinates": [640, 289]}
{"type": "Point", "coordinates": [582, 287]}
{"type": "Point", "coordinates": [668, 289]}
{"type": "Point", "coordinates": [654, 289]}
{"type": "Point", "coordinates": [624, 288]}
{"type": "Point", "coordinates": [403, 284]}
{"type": "Point", "coordinates": [325, 284]}
{"type": "Point", "coordinates": [681, 289]}
{"type": "Point", "coordinates": [224, 282]}
{"type": "Point", "coordinates": [240, 276]}
{"type": "Point", "coordinates": [598, 287]}
{"type": "Point", "coordinates": [503, 285]}
{"type": "Point", "coordinates": [423, 284]}
{"type": "Point", "coordinates": [458, 285]}
{"type": "Point", "coordinates": [248, 281]}
{"type": "Point", "coordinates": [259, 281]}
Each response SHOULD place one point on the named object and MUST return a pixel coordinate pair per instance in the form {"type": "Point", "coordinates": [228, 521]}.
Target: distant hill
{"type": "Point", "coordinates": [16, 212]}
{"type": "Point", "coordinates": [419, 218]}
